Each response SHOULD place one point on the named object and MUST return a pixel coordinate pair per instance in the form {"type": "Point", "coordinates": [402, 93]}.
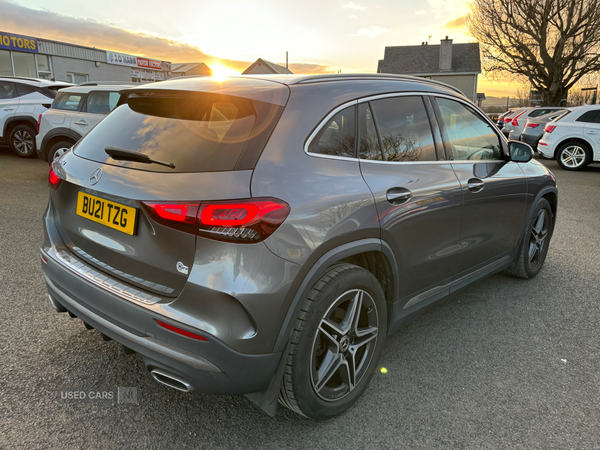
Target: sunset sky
{"type": "Point", "coordinates": [320, 35]}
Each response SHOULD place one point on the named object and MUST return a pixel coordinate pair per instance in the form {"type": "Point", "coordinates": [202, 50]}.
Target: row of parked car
{"type": "Point", "coordinates": [48, 117]}
{"type": "Point", "coordinates": [569, 135]}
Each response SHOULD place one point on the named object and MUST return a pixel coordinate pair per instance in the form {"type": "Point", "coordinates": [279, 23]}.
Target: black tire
{"type": "Point", "coordinates": [536, 242]}
{"type": "Point", "coordinates": [573, 155]}
{"type": "Point", "coordinates": [345, 342]}
{"type": "Point", "coordinates": [55, 149]}
{"type": "Point", "coordinates": [22, 141]}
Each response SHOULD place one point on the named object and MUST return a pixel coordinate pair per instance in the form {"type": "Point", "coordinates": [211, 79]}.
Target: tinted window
{"type": "Point", "coordinates": [24, 89]}
{"type": "Point", "coordinates": [404, 129]}
{"type": "Point", "coordinates": [102, 102]}
{"type": "Point", "coordinates": [588, 116]}
{"type": "Point", "coordinates": [337, 137]}
{"type": "Point", "coordinates": [197, 132]}
{"type": "Point", "coordinates": [67, 101]}
{"type": "Point", "coordinates": [369, 140]}
{"type": "Point", "coordinates": [468, 135]}
{"type": "Point", "coordinates": [7, 90]}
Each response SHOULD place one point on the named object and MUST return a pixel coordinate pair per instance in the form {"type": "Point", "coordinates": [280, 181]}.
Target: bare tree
{"type": "Point", "coordinates": [549, 43]}
{"type": "Point", "coordinates": [521, 98]}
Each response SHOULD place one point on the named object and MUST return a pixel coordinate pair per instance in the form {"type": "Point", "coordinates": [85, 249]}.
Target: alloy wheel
{"type": "Point", "coordinates": [344, 345]}
{"type": "Point", "coordinates": [23, 142]}
{"type": "Point", "coordinates": [573, 156]}
{"type": "Point", "coordinates": [537, 239]}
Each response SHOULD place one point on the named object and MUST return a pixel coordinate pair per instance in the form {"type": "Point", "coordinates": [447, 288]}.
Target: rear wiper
{"type": "Point", "coordinates": [121, 153]}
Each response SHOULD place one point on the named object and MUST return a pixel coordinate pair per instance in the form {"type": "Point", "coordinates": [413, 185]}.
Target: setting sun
{"type": "Point", "coordinates": [220, 71]}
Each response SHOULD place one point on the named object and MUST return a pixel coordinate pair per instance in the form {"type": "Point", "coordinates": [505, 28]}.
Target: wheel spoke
{"type": "Point", "coordinates": [329, 367]}
{"type": "Point", "coordinates": [349, 374]}
{"type": "Point", "coordinates": [539, 223]}
{"type": "Point", "coordinates": [366, 336]}
{"type": "Point", "coordinates": [350, 320]}
{"type": "Point", "coordinates": [533, 249]}
{"type": "Point", "coordinates": [329, 336]}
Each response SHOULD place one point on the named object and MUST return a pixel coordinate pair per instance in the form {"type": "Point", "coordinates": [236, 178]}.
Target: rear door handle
{"type": "Point", "coordinates": [398, 195]}
{"type": "Point", "coordinates": [475, 184]}
{"type": "Point", "coordinates": [8, 108]}
{"type": "Point", "coordinates": [82, 122]}
{"type": "Point", "coordinates": [591, 132]}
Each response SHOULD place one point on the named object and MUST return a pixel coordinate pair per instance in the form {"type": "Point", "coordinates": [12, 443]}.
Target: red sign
{"type": "Point", "coordinates": [149, 63]}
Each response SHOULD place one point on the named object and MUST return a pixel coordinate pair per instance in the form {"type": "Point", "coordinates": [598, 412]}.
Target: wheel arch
{"type": "Point", "coordinates": [572, 139]}
{"type": "Point", "coordinates": [55, 135]}
{"type": "Point", "coordinates": [372, 254]}
{"type": "Point", "coordinates": [19, 120]}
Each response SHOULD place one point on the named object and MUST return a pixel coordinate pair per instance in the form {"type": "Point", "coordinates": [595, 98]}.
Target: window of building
{"type": "Point", "coordinates": [43, 66]}
{"type": "Point", "coordinates": [77, 78]}
{"type": "Point", "coordinates": [404, 129]}
{"type": "Point", "coordinates": [5, 64]}
{"type": "Point", "coordinates": [337, 137]}
{"type": "Point", "coordinates": [468, 135]}
{"type": "Point", "coordinates": [24, 64]}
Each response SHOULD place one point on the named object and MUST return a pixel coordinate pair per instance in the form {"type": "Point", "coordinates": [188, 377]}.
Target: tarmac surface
{"type": "Point", "coordinates": [504, 363]}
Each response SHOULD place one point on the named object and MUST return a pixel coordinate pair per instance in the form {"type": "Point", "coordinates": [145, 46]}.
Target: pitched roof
{"type": "Point", "coordinates": [268, 66]}
{"type": "Point", "coordinates": [425, 59]}
{"type": "Point", "coordinates": [185, 67]}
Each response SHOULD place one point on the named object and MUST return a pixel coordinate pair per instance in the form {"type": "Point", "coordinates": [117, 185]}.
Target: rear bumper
{"type": "Point", "coordinates": [209, 367]}
{"type": "Point", "coordinates": [531, 140]}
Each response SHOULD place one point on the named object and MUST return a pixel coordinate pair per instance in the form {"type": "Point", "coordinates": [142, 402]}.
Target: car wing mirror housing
{"type": "Point", "coordinates": [519, 151]}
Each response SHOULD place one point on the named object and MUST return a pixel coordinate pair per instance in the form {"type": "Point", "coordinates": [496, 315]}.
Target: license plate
{"type": "Point", "coordinates": [110, 214]}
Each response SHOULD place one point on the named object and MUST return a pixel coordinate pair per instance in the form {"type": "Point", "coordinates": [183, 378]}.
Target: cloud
{"type": "Point", "coordinates": [459, 22]}
{"type": "Point", "coordinates": [305, 68]}
{"type": "Point", "coordinates": [372, 31]}
{"type": "Point", "coordinates": [91, 33]}
{"type": "Point", "coordinates": [351, 5]}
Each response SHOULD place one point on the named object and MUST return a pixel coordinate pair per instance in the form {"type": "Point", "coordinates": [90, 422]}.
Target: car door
{"type": "Point", "coordinates": [494, 190]}
{"type": "Point", "coordinates": [9, 102]}
{"type": "Point", "coordinates": [591, 132]}
{"type": "Point", "coordinates": [97, 105]}
{"type": "Point", "coordinates": [417, 195]}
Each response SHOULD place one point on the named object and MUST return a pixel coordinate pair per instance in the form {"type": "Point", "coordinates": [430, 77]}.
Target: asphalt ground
{"type": "Point", "coordinates": [504, 363]}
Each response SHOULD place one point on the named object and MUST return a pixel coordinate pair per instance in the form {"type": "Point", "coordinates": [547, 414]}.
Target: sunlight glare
{"type": "Point", "coordinates": [220, 72]}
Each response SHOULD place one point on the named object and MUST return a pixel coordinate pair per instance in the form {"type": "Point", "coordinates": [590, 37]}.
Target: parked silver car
{"type": "Point", "coordinates": [264, 235]}
{"type": "Point", "coordinates": [518, 121]}
{"type": "Point", "coordinates": [534, 127]}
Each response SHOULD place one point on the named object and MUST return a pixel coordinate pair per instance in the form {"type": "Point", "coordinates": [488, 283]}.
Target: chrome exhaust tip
{"type": "Point", "coordinates": [171, 381]}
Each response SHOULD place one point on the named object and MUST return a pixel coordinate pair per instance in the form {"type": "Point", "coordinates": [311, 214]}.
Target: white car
{"type": "Point", "coordinates": [573, 138]}
{"type": "Point", "coordinates": [22, 101]}
{"type": "Point", "coordinates": [74, 112]}
{"type": "Point", "coordinates": [517, 124]}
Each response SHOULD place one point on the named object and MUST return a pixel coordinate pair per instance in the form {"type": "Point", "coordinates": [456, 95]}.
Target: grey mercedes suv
{"type": "Point", "coordinates": [263, 235]}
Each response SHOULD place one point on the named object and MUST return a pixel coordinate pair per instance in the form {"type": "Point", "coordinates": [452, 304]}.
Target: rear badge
{"type": "Point", "coordinates": [181, 268]}
{"type": "Point", "coordinates": [95, 176]}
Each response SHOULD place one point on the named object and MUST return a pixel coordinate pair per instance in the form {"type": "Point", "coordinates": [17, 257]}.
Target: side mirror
{"type": "Point", "coordinates": [520, 151]}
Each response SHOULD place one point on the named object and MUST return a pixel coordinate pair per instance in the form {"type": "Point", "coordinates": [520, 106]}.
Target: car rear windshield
{"type": "Point", "coordinates": [194, 131]}
{"type": "Point", "coordinates": [68, 101]}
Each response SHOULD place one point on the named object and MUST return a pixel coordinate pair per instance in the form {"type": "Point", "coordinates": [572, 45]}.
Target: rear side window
{"type": "Point", "coordinates": [101, 102]}
{"type": "Point", "coordinates": [404, 129]}
{"type": "Point", "coordinates": [7, 90]}
{"type": "Point", "coordinates": [467, 134]}
{"type": "Point", "coordinates": [68, 101]}
{"type": "Point", "coordinates": [195, 131]}
{"type": "Point", "coordinates": [337, 137]}
{"type": "Point", "coordinates": [24, 89]}
{"type": "Point", "coordinates": [589, 117]}
{"type": "Point", "coordinates": [369, 140]}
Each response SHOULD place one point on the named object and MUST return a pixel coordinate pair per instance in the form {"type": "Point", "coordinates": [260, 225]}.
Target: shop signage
{"type": "Point", "coordinates": [9, 41]}
{"type": "Point", "coordinates": [132, 61]}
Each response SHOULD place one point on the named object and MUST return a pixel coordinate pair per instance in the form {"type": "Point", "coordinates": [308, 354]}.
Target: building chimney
{"type": "Point", "coordinates": [446, 55]}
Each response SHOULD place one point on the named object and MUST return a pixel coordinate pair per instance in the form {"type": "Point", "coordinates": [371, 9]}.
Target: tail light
{"type": "Point", "coordinates": [246, 221]}
{"type": "Point", "coordinates": [38, 123]}
{"type": "Point", "coordinates": [514, 121]}
{"type": "Point", "coordinates": [182, 332]}
{"type": "Point", "coordinates": [532, 125]}
{"type": "Point", "coordinates": [549, 128]}
{"type": "Point", "coordinates": [53, 179]}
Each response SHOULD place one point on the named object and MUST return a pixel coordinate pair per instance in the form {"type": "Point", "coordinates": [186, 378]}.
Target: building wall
{"type": "Point", "coordinates": [106, 72]}
{"type": "Point", "coordinates": [467, 84]}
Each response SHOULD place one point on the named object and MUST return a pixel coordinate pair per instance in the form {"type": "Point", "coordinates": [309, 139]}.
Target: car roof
{"type": "Point", "coordinates": [199, 83]}
{"type": "Point", "coordinates": [37, 81]}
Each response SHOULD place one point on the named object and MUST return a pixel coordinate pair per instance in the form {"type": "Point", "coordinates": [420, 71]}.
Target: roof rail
{"type": "Point", "coordinates": [377, 76]}
{"type": "Point", "coordinates": [108, 83]}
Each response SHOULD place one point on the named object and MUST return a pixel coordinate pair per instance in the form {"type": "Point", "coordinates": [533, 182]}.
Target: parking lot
{"type": "Point", "coordinates": [505, 363]}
